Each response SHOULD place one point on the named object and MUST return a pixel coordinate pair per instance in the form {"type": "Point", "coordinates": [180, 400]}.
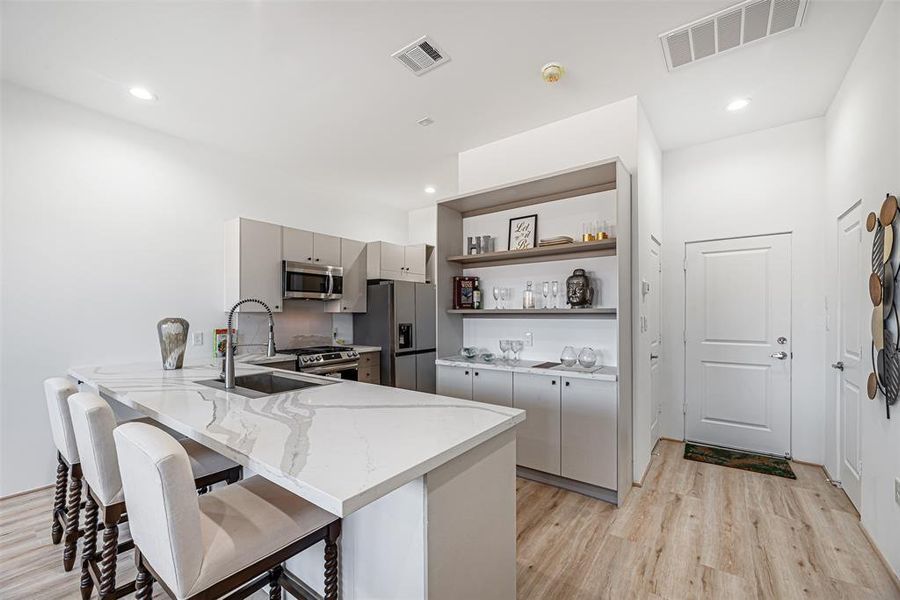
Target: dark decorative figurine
{"type": "Point", "coordinates": [885, 375]}
{"type": "Point", "coordinates": [579, 292]}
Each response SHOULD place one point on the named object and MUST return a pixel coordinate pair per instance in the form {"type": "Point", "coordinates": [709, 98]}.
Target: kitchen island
{"type": "Point", "coordinates": [425, 483]}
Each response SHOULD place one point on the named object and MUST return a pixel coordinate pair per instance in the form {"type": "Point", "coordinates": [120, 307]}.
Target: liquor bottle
{"type": "Point", "coordinates": [476, 296]}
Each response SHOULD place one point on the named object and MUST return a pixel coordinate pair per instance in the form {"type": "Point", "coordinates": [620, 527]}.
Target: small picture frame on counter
{"type": "Point", "coordinates": [522, 233]}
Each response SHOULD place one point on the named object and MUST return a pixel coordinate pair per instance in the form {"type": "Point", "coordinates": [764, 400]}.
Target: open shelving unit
{"type": "Point", "coordinates": [540, 254]}
{"type": "Point", "coordinates": [451, 260]}
{"type": "Point", "coordinates": [534, 312]}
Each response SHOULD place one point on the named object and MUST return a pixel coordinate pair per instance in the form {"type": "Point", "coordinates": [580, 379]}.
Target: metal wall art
{"type": "Point", "coordinates": [885, 375]}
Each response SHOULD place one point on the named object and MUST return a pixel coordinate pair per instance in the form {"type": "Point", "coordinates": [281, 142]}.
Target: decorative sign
{"type": "Point", "coordinates": [885, 375]}
{"type": "Point", "coordinates": [522, 233]}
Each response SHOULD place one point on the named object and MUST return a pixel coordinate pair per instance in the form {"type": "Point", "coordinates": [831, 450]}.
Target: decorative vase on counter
{"type": "Point", "coordinates": [173, 335]}
{"type": "Point", "coordinates": [587, 358]}
{"type": "Point", "coordinates": [568, 357]}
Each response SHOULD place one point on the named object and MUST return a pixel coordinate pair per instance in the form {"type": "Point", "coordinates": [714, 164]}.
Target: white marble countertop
{"type": "Point", "coordinates": [254, 358]}
{"type": "Point", "coordinates": [339, 446]}
{"type": "Point", "coordinates": [362, 349]}
{"type": "Point", "coordinates": [528, 366]}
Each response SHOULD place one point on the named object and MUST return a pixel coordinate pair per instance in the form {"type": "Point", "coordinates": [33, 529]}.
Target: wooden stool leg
{"type": "Point", "coordinates": [108, 559]}
{"type": "Point", "coordinates": [331, 561]}
{"type": "Point", "coordinates": [73, 514]}
{"type": "Point", "coordinates": [59, 499]}
{"type": "Point", "coordinates": [275, 583]}
{"type": "Point", "coordinates": [143, 583]}
{"type": "Point", "coordinates": [89, 549]}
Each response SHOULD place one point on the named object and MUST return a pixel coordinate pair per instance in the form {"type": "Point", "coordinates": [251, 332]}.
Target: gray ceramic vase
{"type": "Point", "coordinates": [173, 336]}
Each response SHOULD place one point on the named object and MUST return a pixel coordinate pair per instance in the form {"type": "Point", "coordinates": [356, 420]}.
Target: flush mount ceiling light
{"type": "Point", "coordinates": [142, 93]}
{"type": "Point", "coordinates": [552, 72]}
{"type": "Point", "coordinates": [425, 121]}
{"type": "Point", "coordinates": [738, 104]}
{"type": "Point", "coordinates": [430, 189]}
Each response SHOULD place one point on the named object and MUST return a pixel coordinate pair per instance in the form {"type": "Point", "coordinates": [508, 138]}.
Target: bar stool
{"type": "Point", "coordinates": [93, 422]}
{"type": "Point", "coordinates": [231, 541]}
{"type": "Point", "coordinates": [68, 468]}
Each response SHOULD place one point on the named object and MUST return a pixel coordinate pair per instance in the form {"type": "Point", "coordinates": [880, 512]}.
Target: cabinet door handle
{"type": "Point", "coordinates": [553, 381]}
{"type": "Point", "coordinates": [467, 372]}
{"type": "Point", "coordinates": [567, 384]}
{"type": "Point", "coordinates": [476, 373]}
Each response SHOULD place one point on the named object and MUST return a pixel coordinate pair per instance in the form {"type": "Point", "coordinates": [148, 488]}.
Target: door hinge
{"type": "Point", "coordinates": [859, 468]}
{"type": "Point", "coordinates": [684, 336]}
{"type": "Point", "coordinates": [684, 264]}
{"type": "Point", "coordinates": [684, 408]}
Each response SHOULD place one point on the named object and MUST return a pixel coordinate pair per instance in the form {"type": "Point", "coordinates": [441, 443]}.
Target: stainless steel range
{"type": "Point", "coordinates": [332, 361]}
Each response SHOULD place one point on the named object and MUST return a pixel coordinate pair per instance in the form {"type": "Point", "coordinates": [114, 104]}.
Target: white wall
{"type": "Point", "coordinates": [106, 228]}
{"type": "Point", "coordinates": [422, 225]}
{"type": "Point", "coordinates": [862, 129]}
{"type": "Point", "coordinates": [770, 181]}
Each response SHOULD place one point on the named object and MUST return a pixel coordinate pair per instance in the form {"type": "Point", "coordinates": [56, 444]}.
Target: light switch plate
{"type": "Point", "coordinates": [197, 338]}
{"type": "Point", "coordinates": [529, 338]}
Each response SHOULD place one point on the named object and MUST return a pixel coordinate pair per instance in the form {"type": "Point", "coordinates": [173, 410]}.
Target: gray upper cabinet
{"type": "Point", "coordinates": [253, 264]}
{"type": "Point", "coordinates": [414, 259]}
{"type": "Point", "coordinates": [393, 261]}
{"type": "Point", "coordinates": [455, 382]}
{"type": "Point", "coordinates": [353, 260]}
{"type": "Point", "coordinates": [493, 387]}
{"type": "Point", "coordinates": [298, 245]}
{"type": "Point", "coordinates": [537, 438]}
{"type": "Point", "coordinates": [589, 431]}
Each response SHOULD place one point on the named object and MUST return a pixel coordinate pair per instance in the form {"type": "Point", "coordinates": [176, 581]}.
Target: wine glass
{"type": "Point", "coordinates": [512, 294]}
{"type": "Point", "coordinates": [504, 295]}
{"type": "Point", "coordinates": [545, 291]}
{"type": "Point", "coordinates": [516, 346]}
{"type": "Point", "coordinates": [496, 296]}
{"type": "Point", "coordinates": [504, 348]}
{"type": "Point", "coordinates": [555, 288]}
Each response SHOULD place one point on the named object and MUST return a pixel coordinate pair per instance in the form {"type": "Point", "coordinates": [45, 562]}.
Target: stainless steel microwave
{"type": "Point", "coordinates": [313, 282]}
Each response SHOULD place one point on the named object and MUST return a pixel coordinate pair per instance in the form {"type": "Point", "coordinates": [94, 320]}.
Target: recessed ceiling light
{"type": "Point", "coordinates": [430, 189]}
{"type": "Point", "coordinates": [738, 104]}
{"type": "Point", "coordinates": [142, 93]}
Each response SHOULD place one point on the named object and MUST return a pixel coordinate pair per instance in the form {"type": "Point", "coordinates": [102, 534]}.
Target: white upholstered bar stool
{"type": "Point", "coordinates": [230, 542]}
{"type": "Point", "coordinates": [93, 423]}
{"type": "Point", "coordinates": [68, 468]}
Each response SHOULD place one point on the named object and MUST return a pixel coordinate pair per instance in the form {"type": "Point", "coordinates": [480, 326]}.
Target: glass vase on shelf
{"type": "Point", "coordinates": [528, 296]}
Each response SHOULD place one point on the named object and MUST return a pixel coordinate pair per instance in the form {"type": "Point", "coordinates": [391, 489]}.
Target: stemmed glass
{"type": "Point", "coordinates": [516, 346]}
{"type": "Point", "coordinates": [504, 295]}
{"type": "Point", "coordinates": [496, 296]}
{"type": "Point", "coordinates": [545, 291]}
{"type": "Point", "coordinates": [504, 348]}
{"type": "Point", "coordinates": [555, 288]}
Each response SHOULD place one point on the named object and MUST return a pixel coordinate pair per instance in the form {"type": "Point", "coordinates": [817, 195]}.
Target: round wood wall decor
{"type": "Point", "coordinates": [885, 375]}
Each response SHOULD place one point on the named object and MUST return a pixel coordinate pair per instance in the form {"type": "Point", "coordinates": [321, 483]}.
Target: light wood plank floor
{"type": "Point", "coordinates": [693, 531]}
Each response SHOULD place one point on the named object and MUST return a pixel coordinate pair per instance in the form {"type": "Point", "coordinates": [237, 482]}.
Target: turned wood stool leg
{"type": "Point", "coordinates": [331, 561]}
{"type": "Point", "coordinates": [73, 514]}
{"type": "Point", "coordinates": [59, 499]}
{"type": "Point", "coordinates": [275, 582]}
{"type": "Point", "coordinates": [89, 549]}
{"type": "Point", "coordinates": [108, 559]}
{"type": "Point", "coordinates": [143, 583]}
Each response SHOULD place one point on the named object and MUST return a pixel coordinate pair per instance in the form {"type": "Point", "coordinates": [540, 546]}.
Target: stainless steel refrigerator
{"type": "Point", "coordinates": [400, 319]}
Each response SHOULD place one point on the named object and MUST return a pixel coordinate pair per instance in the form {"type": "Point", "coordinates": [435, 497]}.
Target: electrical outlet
{"type": "Point", "coordinates": [197, 338]}
{"type": "Point", "coordinates": [529, 338]}
{"type": "Point", "coordinates": [897, 490]}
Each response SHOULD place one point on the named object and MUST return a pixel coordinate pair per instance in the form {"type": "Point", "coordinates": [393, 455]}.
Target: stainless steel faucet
{"type": "Point", "coordinates": [228, 366]}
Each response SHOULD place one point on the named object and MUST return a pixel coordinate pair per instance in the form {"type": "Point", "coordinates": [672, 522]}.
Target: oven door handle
{"type": "Point", "coordinates": [331, 368]}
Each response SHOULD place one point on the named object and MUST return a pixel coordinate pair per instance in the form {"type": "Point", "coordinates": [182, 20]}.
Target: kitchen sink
{"type": "Point", "coordinates": [264, 384]}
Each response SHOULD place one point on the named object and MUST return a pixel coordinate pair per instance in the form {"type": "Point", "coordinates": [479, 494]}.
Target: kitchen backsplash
{"type": "Point", "coordinates": [301, 323]}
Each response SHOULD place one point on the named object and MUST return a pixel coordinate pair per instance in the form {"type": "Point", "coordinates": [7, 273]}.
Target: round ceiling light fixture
{"type": "Point", "coordinates": [142, 93]}
{"type": "Point", "coordinates": [430, 189]}
{"type": "Point", "coordinates": [738, 104]}
{"type": "Point", "coordinates": [552, 72]}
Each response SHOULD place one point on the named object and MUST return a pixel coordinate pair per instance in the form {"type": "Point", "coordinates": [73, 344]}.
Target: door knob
{"type": "Point", "coordinates": [839, 365]}
{"type": "Point", "coordinates": [779, 355]}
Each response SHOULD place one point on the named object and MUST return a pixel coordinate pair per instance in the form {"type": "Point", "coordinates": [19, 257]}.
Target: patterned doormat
{"type": "Point", "coordinates": [757, 463]}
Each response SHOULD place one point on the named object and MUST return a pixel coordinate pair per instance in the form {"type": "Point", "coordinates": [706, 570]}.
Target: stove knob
{"type": "Point", "coordinates": [302, 359]}
{"type": "Point", "coordinates": [319, 357]}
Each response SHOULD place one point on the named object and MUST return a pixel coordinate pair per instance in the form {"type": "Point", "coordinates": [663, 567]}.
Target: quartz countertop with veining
{"type": "Point", "coordinates": [340, 446]}
{"type": "Point", "coordinates": [530, 366]}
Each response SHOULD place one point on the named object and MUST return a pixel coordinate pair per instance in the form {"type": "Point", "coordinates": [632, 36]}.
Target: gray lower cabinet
{"type": "Point", "coordinates": [538, 437]}
{"type": "Point", "coordinates": [588, 431]}
{"type": "Point", "coordinates": [493, 387]}
{"type": "Point", "coordinates": [455, 382]}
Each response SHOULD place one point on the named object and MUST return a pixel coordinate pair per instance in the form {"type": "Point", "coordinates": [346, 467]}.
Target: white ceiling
{"type": "Point", "coordinates": [311, 87]}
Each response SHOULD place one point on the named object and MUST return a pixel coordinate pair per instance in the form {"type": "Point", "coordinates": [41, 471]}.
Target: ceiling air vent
{"type": "Point", "coordinates": [421, 56]}
{"type": "Point", "coordinates": [730, 28]}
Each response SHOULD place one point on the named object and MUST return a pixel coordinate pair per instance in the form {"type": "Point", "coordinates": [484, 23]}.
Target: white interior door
{"type": "Point", "coordinates": [848, 367]}
{"type": "Point", "coordinates": [738, 343]}
{"type": "Point", "coordinates": [653, 331]}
